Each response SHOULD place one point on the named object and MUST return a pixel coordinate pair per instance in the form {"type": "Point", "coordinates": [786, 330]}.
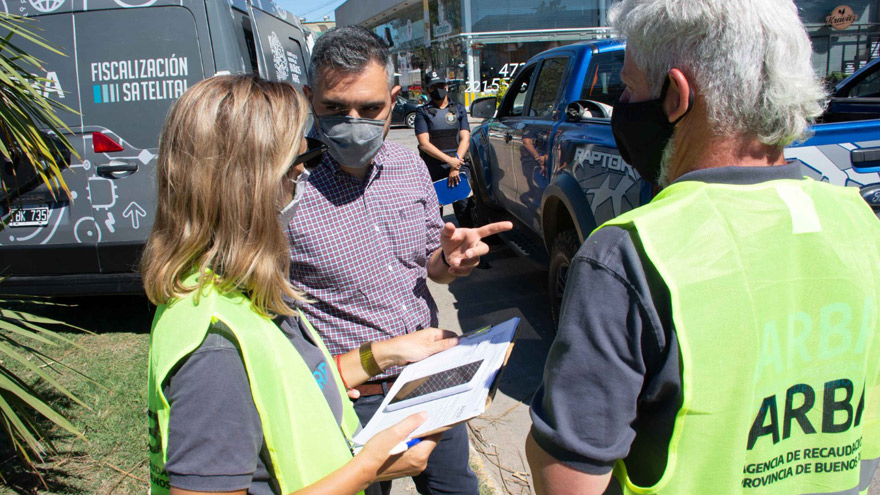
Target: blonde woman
{"type": "Point", "coordinates": [237, 402]}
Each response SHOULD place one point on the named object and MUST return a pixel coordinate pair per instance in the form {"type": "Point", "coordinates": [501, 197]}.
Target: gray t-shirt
{"type": "Point", "coordinates": [612, 381]}
{"type": "Point", "coordinates": [215, 439]}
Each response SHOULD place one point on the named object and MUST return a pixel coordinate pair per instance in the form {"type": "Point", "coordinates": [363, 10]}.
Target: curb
{"type": "Point", "coordinates": [484, 478]}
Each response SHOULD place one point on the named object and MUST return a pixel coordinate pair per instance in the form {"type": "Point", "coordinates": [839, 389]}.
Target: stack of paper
{"type": "Point", "coordinates": [451, 386]}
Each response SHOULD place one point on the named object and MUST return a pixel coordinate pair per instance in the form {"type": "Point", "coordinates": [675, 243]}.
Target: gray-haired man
{"type": "Point", "coordinates": [716, 340]}
{"type": "Point", "coordinates": [368, 234]}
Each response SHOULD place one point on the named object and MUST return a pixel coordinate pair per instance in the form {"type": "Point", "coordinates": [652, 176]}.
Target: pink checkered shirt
{"type": "Point", "coordinates": [359, 249]}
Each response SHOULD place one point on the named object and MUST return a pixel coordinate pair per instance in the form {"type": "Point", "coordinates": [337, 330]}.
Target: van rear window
{"type": "Point", "coordinates": [59, 70]}
{"type": "Point", "coordinates": [128, 87]}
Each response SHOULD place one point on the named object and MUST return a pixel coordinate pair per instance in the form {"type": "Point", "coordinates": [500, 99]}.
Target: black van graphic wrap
{"type": "Point", "coordinates": [125, 63]}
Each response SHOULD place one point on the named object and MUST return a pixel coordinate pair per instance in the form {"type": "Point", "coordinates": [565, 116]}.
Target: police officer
{"type": "Point", "coordinates": [444, 135]}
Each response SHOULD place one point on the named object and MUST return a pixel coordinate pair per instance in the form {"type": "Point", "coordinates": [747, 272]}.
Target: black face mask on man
{"type": "Point", "coordinates": [642, 130]}
{"type": "Point", "coordinates": [437, 94]}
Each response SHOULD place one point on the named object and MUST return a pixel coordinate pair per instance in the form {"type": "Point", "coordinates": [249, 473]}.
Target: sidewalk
{"type": "Point", "coordinates": [512, 287]}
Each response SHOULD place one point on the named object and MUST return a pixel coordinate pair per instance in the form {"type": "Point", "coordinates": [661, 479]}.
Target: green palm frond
{"type": "Point", "coordinates": [31, 133]}
{"type": "Point", "coordinates": [20, 404]}
{"type": "Point", "coordinates": [30, 130]}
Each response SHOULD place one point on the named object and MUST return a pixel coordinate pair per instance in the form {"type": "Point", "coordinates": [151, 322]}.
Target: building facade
{"type": "Point", "coordinates": [481, 44]}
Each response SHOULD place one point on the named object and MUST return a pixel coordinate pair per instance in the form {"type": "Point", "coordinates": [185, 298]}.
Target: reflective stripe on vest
{"type": "Point", "coordinates": [303, 439]}
{"type": "Point", "coordinates": [774, 294]}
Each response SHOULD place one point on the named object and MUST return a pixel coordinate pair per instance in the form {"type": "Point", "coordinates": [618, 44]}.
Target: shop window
{"type": "Point", "coordinates": [603, 82]}
{"type": "Point", "coordinates": [547, 87]}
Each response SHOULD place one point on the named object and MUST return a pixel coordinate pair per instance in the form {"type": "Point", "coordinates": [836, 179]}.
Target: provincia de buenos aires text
{"type": "Point", "coordinates": [826, 400]}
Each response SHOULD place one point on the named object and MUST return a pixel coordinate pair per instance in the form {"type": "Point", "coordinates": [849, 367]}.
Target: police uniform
{"type": "Point", "coordinates": [443, 126]}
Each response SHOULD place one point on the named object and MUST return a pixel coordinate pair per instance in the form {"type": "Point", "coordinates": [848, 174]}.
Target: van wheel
{"type": "Point", "coordinates": [411, 120]}
{"type": "Point", "coordinates": [565, 245]}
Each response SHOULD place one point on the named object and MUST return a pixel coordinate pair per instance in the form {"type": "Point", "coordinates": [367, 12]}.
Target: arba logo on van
{"type": "Point", "coordinates": [52, 86]}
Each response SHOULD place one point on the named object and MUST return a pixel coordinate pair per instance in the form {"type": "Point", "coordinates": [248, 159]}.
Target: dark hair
{"type": "Point", "coordinates": [349, 49]}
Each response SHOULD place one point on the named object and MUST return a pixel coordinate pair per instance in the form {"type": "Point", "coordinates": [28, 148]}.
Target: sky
{"type": "Point", "coordinates": [312, 10]}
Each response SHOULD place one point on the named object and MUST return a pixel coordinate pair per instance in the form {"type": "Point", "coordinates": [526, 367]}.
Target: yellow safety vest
{"type": "Point", "coordinates": [774, 291]}
{"type": "Point", "coordinates": [304, 440]}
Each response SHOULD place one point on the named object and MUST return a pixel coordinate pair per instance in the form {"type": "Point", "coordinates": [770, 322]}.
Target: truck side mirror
{"type": "Point", "coordinates": [483, 108]}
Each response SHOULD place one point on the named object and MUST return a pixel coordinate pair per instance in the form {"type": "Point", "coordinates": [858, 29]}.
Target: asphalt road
{"type": "Point", "coordinates": [513, 286]}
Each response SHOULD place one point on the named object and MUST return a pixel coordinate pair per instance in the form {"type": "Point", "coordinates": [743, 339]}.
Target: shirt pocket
{"type": "Point", "coordinates": [408, 232]}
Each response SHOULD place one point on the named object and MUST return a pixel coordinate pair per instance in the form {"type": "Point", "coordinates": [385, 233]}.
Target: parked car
{"type": "Point", "coordinates": [125, 63]}
{"type": "Point", "coordinates": [857, 97]}
{"type": "Point", "coordinates": [547, 158]}
{"type": "Point", "coordinates": [404, 112]}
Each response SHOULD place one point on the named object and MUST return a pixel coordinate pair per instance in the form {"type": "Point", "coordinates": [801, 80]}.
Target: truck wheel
{"type": "Point", "coordinates": [565, 245]}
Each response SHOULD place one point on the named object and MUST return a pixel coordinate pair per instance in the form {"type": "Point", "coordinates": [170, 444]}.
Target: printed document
{"type": "Point", "coordinates": [451, 386]}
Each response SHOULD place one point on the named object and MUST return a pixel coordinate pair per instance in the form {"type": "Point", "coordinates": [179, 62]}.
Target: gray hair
{"type": "Point", "coordinates": [750, 60]}
{"type": "Point", "coordinates": [349, 49]}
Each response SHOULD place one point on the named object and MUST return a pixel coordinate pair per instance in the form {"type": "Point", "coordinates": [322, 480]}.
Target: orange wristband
{"type": "Point", "coordinates": [341, 376]}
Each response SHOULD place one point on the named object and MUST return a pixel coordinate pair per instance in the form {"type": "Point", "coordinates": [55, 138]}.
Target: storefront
{"type": "Point", "coordinates": [845, 36]}
{"type": "Point", "coordinates": [478, 44]}
{"type": "Point", "coordinates": [481, 44]}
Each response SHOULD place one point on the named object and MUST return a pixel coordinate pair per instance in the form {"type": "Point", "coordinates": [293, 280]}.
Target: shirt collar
{"type": "Point", "coordinates": [744, 175]}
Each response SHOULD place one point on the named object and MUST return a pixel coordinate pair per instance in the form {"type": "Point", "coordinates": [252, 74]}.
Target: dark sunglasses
{"type": "Point", "coordinates": [312, 156]}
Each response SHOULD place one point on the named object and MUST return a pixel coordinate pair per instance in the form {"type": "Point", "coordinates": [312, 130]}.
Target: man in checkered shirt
{"type": "Point", "coordinates": [368, 232]}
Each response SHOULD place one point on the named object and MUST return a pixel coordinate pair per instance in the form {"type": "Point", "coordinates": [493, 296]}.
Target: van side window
{"type": "Point", "coordinates": [244, 36]}
{"type": "Point", "coordinates": [603, 82]}
{"type": "Point", "coordinates": [251, 50]}
{"type": "Point", "coordinates": [547, 87]}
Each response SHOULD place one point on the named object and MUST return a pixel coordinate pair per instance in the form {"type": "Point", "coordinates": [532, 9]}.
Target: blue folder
{"type": "Point", "coordinates": [448, 195]}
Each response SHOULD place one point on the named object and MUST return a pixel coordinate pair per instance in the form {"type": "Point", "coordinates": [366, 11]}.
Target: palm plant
{"type": "Point", "coordinates": [21, 403]}
{"type": "Point", "coordinates": [24, 111]}
{"type": "Point", "coordinates": [31, 134]}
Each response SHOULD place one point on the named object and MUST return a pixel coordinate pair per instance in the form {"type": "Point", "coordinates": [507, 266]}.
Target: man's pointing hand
{"type": "Point", "coordinates": [463, 247]}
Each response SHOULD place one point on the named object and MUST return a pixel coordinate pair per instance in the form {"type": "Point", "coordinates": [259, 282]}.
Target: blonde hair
{"type": "Point", "coordinates": [223, 153]}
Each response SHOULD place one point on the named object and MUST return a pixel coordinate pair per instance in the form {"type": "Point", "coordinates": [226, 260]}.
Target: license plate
{"type": "Point", "coordinates": [35, 216]}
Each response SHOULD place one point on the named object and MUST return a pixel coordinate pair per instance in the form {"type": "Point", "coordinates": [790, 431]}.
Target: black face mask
{"type": "Point", "coordinates": [642, 130]}
{"type": "Point", "coordinates": [437, 94]}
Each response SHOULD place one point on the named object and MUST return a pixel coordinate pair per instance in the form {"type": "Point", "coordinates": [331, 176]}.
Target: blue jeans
{"type": "Point", "coordinates": [448, 471]}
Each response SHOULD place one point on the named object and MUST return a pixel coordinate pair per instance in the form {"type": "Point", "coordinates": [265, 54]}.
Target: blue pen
{"type": "Point", "coordinates": [403, 446]}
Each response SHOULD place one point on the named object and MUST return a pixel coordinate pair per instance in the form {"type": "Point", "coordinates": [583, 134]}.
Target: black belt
{"type": "Point", "coordinates": [378, 387]}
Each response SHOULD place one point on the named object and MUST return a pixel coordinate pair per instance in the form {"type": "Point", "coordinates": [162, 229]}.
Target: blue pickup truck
{"type": "Point", "coordinates": [547, 159]}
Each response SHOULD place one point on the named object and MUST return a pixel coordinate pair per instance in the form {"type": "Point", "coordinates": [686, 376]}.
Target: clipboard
{"type": "Point", "coordinates": [448, 195]}
{"type": "Point", "coordinates": [444, 406]}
